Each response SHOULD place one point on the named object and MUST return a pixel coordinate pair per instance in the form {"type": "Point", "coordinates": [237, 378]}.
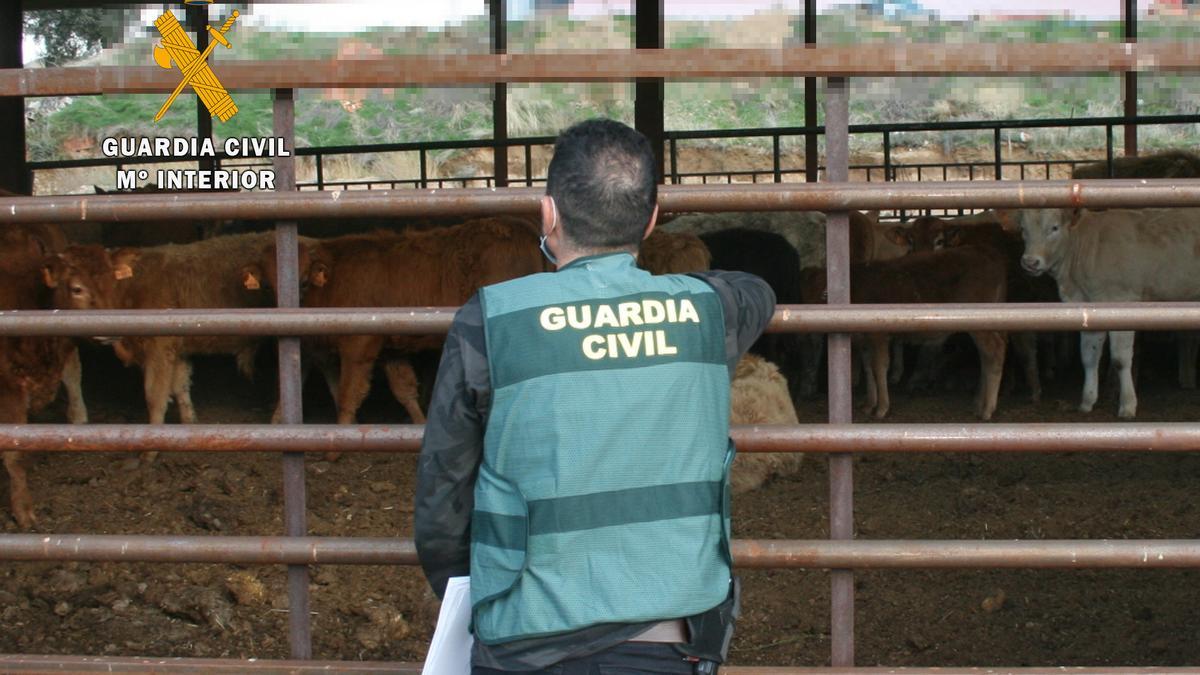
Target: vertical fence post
{"type": "Point", "coordinates": [997, 147]}
{"type": "Point", "coordinates": [811, 153]}
{"type": "Point", "coordinates": [499, 22]}
{"type": "Point", "coordinates": [887, 157]}
{"type": "Point", "coordinates": [674, 149]}
{"type": "Point", "coordinates": [1130, 79]}
{"type": "Point", "coordinates": [287, 291]}
{"type": "Point", "coordinates": [649, 92]}
{"type": "Point", "coordinates": [424, 169]}
{"type": "Point", "coordinates": [1108, 150]}
{"type": "Point", "coordinates": [841, 466]}
{"type": "Point", "coordinates": [776, 159]}
{"type": "Point", "coordinates": [320, 171]}
{"type": "Point", "coordinates": [14, 171]}
{"type": "Point", "coordinates": [197, 20]}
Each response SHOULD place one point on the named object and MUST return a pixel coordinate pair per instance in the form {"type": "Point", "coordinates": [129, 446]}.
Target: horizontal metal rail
{"type": "Point", "coordinates": [811, 438]}
{"type": "Point", "coordinates": [18, 663]}
{"type": "Point", "coordinates": [432, 320]}
{"type": "Point", "coordinates": [747, 553]}
{"type": "Point", "coordinates": [21, 663]}
{"type": "Point", "coordinates": [525, 200]}
{"type": "Point", "coordinates": [618, 65]}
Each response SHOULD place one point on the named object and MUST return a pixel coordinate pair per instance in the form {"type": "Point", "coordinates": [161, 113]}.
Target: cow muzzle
{"type": "Point", "coordinates": [1033, 265]}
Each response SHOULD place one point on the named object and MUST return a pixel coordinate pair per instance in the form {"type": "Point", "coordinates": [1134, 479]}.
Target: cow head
{"type": "Point", "coordinates": [1046, 233]}
{"type": "Point", "coordinates": [88, 277]}
{"type": "Point", "coordinates": [263, 275]}
{"type": "Point", "coordinates": [923, 234]}
{"type": "Point", "coordinates": [926, 233]}
{"type": "Point", "coordinates": [23, 246]}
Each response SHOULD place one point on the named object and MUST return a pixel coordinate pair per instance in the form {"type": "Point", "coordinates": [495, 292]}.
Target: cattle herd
{"type": "Point", "coordinates": [1017, 256]}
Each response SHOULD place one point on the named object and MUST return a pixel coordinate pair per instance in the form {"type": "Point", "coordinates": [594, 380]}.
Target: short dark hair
{"type": "Point", "coordinates": [603, 181]}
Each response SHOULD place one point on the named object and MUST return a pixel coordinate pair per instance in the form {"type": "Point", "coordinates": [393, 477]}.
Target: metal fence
{"type": "Point", "coordinates": [842, 554]}
{"type": "Point", "coordinates": [887, 170]}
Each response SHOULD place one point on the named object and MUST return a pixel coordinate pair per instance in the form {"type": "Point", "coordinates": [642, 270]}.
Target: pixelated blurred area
{"type": "Point", "coordinates": [71, 129]}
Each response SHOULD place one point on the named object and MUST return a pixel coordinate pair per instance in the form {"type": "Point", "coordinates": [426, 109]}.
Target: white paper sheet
{"type": "Point", "coordinates": [450, 649]}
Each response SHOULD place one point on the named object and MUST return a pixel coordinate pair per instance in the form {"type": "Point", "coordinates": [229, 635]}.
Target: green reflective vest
{"type": "Point", "coordinates": [603, 492]}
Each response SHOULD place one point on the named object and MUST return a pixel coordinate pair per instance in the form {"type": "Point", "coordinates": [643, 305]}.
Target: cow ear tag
{"type": "Point", "coordinates": [122, 272]}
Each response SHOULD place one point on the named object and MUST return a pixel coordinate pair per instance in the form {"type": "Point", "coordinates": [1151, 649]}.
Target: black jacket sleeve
{"type": "Point", "coordinates": [451, 451]}
{"type": "Point", "coordinates": [748, 303]}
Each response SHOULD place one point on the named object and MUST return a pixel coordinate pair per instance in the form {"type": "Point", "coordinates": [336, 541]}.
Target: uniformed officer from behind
{"type": "Point", "coordinates": [576, 457]}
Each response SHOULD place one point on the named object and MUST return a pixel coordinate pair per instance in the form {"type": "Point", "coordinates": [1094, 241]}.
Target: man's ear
{"type": "Point", "coordinates": [549, 213]}
{"type": "Point", "coordinates": [653, 222]}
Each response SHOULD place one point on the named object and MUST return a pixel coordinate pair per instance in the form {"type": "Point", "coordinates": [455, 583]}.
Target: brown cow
{"type": "Point", "coordinates": [442, 266]}
{"type": "Point", "coordinates": [967, 274]}
{"type": "Point", "coordinates": [929, 233]}
{"type": "Point", "coordinates": [318, 351]}
{"type": "Point", "coordinates": [196, 275]}
{"type": "Point", "coordinates": [673, 253]}
{"type": "Point", "coordinates": [1166, 164]}
{"type": "Point", "coordinates": [31, 368]}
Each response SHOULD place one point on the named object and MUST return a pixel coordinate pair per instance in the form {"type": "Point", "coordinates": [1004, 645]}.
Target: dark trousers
{"type": "Point", "coordinates": [626, 658]}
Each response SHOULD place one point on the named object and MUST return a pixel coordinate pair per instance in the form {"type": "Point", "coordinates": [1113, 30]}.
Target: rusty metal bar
{"type": "Point", "coordinates": [288, 297]}
{"type": "Point", "coordinates": [23, 663]}
{"type": "Point", "coordinates": [617, 65]}
{"type": "Point", "coordinates": [841, 465]}
{"type": "Point", "coordinates": [810, 438]}
{"type": "Point", "coordinates": [747, 553]}
{"type": "Point", "coordinates": [19, 663]}
{"type": "Point", "coordinates": [432, 320]}
{"type": "Point", "coordinates": [1096, 194]}
{"type": "Point", "coordinates": [292, 551]}
{"type": "Point", "coordinates": [934, 554]}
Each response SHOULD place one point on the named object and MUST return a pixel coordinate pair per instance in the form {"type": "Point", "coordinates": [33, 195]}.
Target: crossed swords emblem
{"type": "Point", "coordinates": [177, 47]}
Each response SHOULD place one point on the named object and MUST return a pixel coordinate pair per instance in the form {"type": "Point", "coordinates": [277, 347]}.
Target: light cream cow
{"type": "Point", "coordinates": [1118, 255]}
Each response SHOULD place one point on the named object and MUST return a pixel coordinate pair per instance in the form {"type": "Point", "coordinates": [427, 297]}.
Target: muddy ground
{"type": "Point", "coordinates": [905, 618]}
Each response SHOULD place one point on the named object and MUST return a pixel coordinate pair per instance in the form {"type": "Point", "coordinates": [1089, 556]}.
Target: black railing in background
{"type": "Point", "coordinates": [888, 170]}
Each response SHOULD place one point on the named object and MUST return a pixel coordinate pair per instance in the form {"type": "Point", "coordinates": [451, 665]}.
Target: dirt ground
{"type": "Point", "coordinates": [904, 618]}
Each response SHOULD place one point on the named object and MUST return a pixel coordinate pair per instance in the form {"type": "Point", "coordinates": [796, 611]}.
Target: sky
{"type": "Point", "coordinates": [351, 15]}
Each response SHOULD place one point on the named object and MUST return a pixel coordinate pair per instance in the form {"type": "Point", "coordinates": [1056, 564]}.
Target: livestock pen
{"type": "Point", "coordinates": [840, 439]}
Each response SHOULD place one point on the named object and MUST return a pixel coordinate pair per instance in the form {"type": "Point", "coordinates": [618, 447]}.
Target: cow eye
{"type": "Point", "coordinates": [76, 289]}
